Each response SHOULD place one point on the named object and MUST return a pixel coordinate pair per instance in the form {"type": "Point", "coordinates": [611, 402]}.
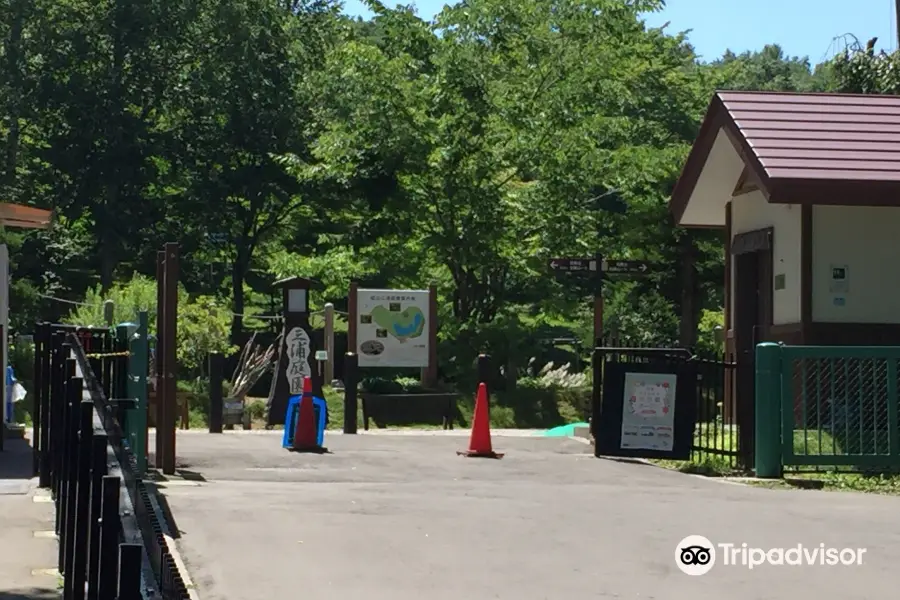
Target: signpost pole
{"type": "Point", "coordinates": [296, 351]}
{"type": "Point", "coordinates": [598, 302]}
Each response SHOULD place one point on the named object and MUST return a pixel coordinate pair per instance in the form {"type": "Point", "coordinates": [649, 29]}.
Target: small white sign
{"type": "Point", "coordinates": [840, 279]}
{"type": "Point", "coordinates": [296, 348]}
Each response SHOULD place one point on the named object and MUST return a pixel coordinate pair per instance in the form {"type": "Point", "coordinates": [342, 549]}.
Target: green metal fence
{"type": "Point", "coordinates": [826, 406]}
{"type": "Point", "coordinates": [136, 388]}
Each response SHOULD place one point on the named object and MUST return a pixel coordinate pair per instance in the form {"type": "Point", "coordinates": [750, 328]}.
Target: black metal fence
{"type": "Point", "coordinates": [716, 435]}
{"type": "Point", "coordinates": [111, 542]}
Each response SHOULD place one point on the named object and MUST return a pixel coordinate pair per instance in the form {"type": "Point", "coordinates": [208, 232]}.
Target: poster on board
{"type": "Point", "coordinates": [392, 328]}
{"type": "Point", "coordinates": [648, 412]}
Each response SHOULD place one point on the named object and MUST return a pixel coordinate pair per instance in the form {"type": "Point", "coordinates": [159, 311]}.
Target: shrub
{"type": "Point", "coordinates": [203, 323]}
{"type": "Point", "coordinates": [550, 377]}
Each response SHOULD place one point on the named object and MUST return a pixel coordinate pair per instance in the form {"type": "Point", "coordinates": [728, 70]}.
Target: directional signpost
{"type": "Point", "coordinates": [625, 267]}
{"type": "Point", "coordinates": [574, 265]}
{"type": "Point", "coordinates": [588, 266]}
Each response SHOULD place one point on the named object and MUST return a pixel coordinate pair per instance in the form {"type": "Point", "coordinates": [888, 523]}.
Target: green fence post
{"type": "Point", "coordinates": [768, 411]}
{"type": "Point", "coordinates": [139, 348]}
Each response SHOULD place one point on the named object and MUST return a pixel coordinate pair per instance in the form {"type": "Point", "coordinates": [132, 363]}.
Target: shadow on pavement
{"type": "Point", "coordinates": [174, 531]}
{"type": "Point", "coordinates": [32, 594]}
{"type": "Point", "coordinates": [16, 460]}
{"type": "Point", "coordinates": [16, 467]}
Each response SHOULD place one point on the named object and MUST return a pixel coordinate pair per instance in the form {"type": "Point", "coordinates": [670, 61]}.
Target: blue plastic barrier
{"type": "Point", "coordinates": [320, 409]}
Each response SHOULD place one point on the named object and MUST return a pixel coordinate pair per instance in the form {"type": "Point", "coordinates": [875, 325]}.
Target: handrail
{"type": "Point", "coordinates": [141, 520]}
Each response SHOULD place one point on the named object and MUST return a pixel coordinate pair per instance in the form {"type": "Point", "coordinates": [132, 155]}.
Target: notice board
{"type": "Point", "coordinates": [648, 410]}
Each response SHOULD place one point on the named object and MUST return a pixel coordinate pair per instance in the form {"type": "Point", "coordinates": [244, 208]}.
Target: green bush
{"type": "Point", "coordinates": [535, 407]}
{"type": "Point", "coordinates": [129, 299]}
{"type": "Point", "coordinates": [204, 323]}
{"type": "Point", "coordinates": [552, 377]}
{"type": "Point", "coordinates": [204, 326]}
{"type": "Point", "coordinates": [710, 322]}
{"type": "Point", "coordinates": [397, 385]}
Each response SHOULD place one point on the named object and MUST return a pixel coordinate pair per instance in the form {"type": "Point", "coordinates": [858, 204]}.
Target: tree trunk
{"type": "Point", "coordinates": [238, 269]}
{"type": "Point", "coordinates": [107, 250]}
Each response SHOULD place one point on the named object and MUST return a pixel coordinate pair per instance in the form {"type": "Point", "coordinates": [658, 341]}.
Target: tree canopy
{"type": "Point", "coordinates": [281, 137]}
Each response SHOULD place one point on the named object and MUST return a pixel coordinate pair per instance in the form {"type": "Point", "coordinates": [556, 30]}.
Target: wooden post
{"type": "Point", "coordinates": [430, 373]}
{"type": "Point", "coordinates": [352, 317]}
{"type": "Point", "coordinates": [297, 349]}
{"type": "Point", "coordinates": [216, 368]}
{"type": "Point", "coordinates": [351, 402]}
{"type": "Point", "coordinates": [329, 343]}
{"type": "Point", "coordinates": [170, 365]}
{"type": "Point", "coordinates": [160, 357]}
{"type": "Point", "coordinates": [598, 303]}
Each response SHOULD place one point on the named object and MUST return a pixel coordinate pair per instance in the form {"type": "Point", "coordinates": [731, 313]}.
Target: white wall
{"type": "Point", "coordinates": [752, 211]}
{"type": "Point", "coordinates": [865, 239]}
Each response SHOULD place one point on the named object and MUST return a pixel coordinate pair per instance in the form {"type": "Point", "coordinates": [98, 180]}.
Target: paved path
{"type": "Point", "coordinates": [403, 518]}
{"type": "Point", "coordinates": [26, 553]}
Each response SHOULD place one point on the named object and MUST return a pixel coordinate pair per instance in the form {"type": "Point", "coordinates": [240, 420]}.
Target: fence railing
{"type": "Point", "coordinates": [84, 457]}
{"type": "Point", "coordinates": [827, 407]}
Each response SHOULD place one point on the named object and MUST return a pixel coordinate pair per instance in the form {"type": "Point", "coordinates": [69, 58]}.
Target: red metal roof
{"type": "Point", "coordinates": [805, 148]}
{"type": "Point", "coordinates": [820, 136]}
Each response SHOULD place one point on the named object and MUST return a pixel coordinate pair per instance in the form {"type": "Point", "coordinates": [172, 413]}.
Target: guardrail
{"type": "Point", "coordinates": [103, 505]}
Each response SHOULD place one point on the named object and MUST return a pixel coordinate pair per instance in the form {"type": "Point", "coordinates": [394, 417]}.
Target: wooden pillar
{"type": "Point", "coordinates": [352, 317]}
{"type": "Point", "coordinates": [167, 383]}
{"type": "Point", "coordinates": [160, 416]}
{"type": "Point", "coordinates": [430, 373]}
{"type": "Point", "coordinates": [296, 351]}
{"type": "Point", "coordinates": [329, 343]}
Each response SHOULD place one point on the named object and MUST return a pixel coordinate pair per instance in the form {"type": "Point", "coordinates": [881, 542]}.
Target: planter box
{"type": "Point", "coordinates": [397, 409]}
{"type": "Point", "coordinates": [233, 413]}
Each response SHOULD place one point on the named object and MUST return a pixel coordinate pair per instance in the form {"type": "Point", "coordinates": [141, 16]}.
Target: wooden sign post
{"type": "Point", "coordinates": [296, 351]}
{"type": "Point", "coordinates": [597, 269]}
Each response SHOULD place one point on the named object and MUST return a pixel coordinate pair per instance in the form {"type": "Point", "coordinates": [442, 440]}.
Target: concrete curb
{"type": "Point", "coordinates": [154, 493]}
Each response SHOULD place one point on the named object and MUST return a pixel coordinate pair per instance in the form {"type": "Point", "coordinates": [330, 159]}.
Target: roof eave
{"type": "Point", "coordinates": [696, 160]}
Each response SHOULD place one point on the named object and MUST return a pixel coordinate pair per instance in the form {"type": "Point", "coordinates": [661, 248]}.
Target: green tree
{"type": "Point", "coordinates": [246, 101]}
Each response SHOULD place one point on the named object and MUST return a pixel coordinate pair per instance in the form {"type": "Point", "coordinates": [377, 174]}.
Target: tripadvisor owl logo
{"type": "Point", "coordinates": [696, 555]}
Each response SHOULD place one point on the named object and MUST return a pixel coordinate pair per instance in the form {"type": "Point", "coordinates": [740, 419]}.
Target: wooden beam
{"type": "Point", "coordinates": [745, 184]}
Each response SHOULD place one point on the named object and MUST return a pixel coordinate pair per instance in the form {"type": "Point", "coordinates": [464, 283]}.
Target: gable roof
{"type": "Point", "coordinates": [804, 148]}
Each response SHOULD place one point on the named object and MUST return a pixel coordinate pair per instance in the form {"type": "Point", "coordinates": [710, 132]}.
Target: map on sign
{"type": "Point", "coordinates": [391, 328]}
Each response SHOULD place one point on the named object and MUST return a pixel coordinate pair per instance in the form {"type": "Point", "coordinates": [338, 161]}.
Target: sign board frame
{"type": "Point", "coordinates": [393, 328]}
{"type": "Point", "coordinates": [608, 430]}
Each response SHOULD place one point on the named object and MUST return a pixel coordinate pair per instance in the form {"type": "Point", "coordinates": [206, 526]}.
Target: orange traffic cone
{"type": "Point", "coordinates": [480, 441]}
{"type": "Point", "coordinates": [305, 431]}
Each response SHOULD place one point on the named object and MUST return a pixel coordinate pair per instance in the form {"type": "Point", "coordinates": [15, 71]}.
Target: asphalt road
{"type": "Point", "coordinates": [404, 518]}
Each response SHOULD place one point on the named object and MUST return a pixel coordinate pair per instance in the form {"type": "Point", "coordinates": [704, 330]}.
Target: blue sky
{"type": "Point", "coordinates": [801, 27]}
